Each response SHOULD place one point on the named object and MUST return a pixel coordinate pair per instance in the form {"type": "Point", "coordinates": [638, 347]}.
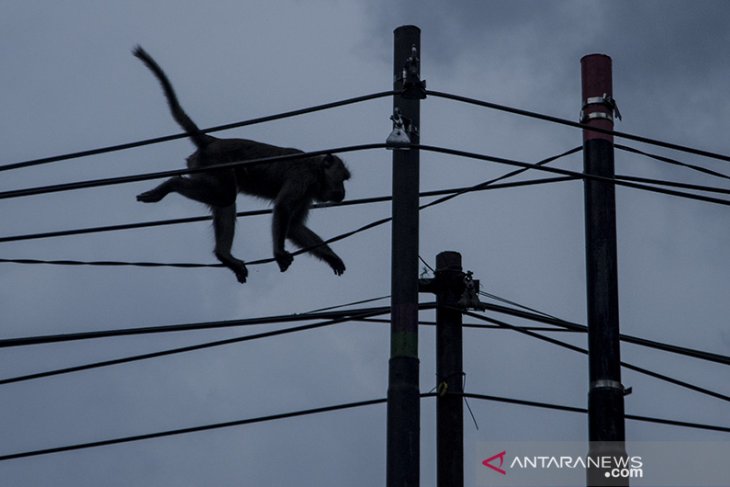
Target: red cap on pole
{"type": "Point", "coordinates": [597, 87]}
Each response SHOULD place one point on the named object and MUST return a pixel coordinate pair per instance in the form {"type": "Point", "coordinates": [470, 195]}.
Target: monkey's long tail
{"type": "Point", "coordinates": [200, 139]}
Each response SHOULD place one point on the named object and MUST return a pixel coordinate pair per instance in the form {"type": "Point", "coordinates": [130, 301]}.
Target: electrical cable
{"type": "Point", "coordinates": [426, 264]}
{"type": "Point", "coordinates": [675, 184]}
{"type": "Point", "coordinates": [537, 165]}
{"type": "Point", "coordinates": [156, 140]}
{"type": "Point", "coordinates": [444, 199]}
{"type": "Point", "coordinates": [338, 407]}
{"type": "Point", "coordinates": [95, 183]}
{"type": "Point", "coordinates": [573, 409]}
{"type": "Point", "coordinates": [354, 317]}
{"type": "Point", "coordinates": [627, 365]}
{"type": "Point", "coordinates": [176, 221]}
{"type": "Point", "coordinates": [593, 177]}
{"type": "Point", "coordinates": [671, 161]}
{"type": "Point", "coordinates": [195, 429]}
{"type": "Point", "coordinates": [206, 325]}
{"type": "Point", "coordinates": [513, 303]}
{"type": "Point", "coordinates": [684, 351]}
{"type": "Point", "coordinates": [350, 101]}
{"type": "Point", "coordinates": [570, 123]}
{"type": "Point", "coordinates": [474, 325]}
{"type": "Point", "coordinates": [267, 160]}
{"type": "Point", "coordinates": [364, 301]}
{"type": "Point", "coordinates": [189, 348]}
{"type": "Point", "coordinates": [478, 187]}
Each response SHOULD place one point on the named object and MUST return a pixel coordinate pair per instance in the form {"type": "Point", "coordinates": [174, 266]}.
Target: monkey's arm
{"type": "Point", "coordinates": [302, 236]}
{"type": "Point", "coordinates": [291, 203]}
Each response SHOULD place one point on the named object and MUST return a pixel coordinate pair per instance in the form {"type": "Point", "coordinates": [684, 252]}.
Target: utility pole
{"type": "Point", "coordinates": [449, 288]}
{"type": "Point", "coordinates": [404, 413]}
{"type": "Point", "coordinates": [606, 431]}
{"type": "Point", "coordinates": [449, 285]}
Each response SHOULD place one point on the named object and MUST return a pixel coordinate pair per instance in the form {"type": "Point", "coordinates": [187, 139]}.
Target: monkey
{"type": "Point", "coordinates": [292, 186]}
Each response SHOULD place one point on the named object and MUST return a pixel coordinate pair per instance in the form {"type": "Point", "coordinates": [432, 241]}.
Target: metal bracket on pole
{"type": "Point", "coordinates": [605, 100]}
{"type": "Point", "coordinates": [470, 298]}
{"type": "Point", "coordinates": [413, 86]}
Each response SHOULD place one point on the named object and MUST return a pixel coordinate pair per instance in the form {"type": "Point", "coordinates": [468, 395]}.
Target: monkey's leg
{"type": "Point", "coordinates": [224, 226]}
{"type": "Point", "coordinates": [211, 189]}
{"type": "Point", "coordinates": [302, 236]}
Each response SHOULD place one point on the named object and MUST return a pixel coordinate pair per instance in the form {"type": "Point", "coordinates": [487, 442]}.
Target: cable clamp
{"type": "Point", "coordinates": [610, 384]}
{"type": "Point", "coordinates": [605, 100]}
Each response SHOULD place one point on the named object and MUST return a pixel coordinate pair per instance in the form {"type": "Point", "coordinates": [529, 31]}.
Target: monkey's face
{"type": "Point", "coordinates": [335, 175]}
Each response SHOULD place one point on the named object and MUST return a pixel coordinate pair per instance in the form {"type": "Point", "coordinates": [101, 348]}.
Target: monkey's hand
{"type": "Point", "coordinates": [336, 264]}
{"type": "Point", "coordinates": [284, 259]}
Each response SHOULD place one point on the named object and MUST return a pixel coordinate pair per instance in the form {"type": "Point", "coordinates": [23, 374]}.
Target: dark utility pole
{"type": "Point", "coordinates": [606, 393]}
{"type": "Point", "coordinates": [403, 437]}
{"type": "Point", "coordinates": [449, 288]}
{"type": "Point", "coordinates": [449, 285]}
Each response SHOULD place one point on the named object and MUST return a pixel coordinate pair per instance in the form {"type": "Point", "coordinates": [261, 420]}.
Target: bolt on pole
{"type": "Point", "coordinates": [606, 431]}
{"type": "Point", "coordinates": [403, 423]}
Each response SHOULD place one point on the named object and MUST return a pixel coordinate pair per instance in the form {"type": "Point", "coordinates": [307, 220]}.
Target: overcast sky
{"type": "Point", "coordinates": [69, 82]}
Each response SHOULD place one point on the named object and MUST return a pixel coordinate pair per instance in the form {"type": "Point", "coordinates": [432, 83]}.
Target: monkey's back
{"type": "Point", "coordinates": [264, 180]}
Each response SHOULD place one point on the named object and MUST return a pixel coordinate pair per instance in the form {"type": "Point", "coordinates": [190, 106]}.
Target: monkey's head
{"type": "Point", "coordinates": [334, 175]}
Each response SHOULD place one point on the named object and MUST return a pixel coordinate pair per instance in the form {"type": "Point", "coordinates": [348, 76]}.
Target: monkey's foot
{"type": "Point", "coordinates": [151, 196]}
{"type": "Point", "coordinates": [241, 273]}
{"type": "Point", "coordinates": [284, 259]}
{"type": "Point", "coordinates": [236, 265]}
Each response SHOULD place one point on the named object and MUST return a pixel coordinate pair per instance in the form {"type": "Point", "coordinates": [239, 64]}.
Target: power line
{"type": "Point", "coordinates": [115, 263]}
{"type": "Point", "coordinates": [573, 409]}
{"type": "Point", "coordinates": [134, 358]}
{"type": "Point", "coordinates": [349, 101]}
{"type": "Point", "coordinates": [474, 325]}
{"type": "Point", "coordinates": [676, 184]}
{"type": "Point", "coordinates": [510, 162]}
{"type": "Point", "coordinates": [206, 325]}
{"type": "Point", "coordinates": [189, 348]}
{"type": "Point", "coordinates": [513, 303]}
{"type": "Point", "coordinates": [671, 161]}
{"type": "Point", "coordinates": [627, 365]}
{"type": "Point", "coordinates": [684, 351]}
{"type": "Point", "coordinates": [95, 183]}
{"type": "Point", "coordinates": [156, 140]}
{"type": "Point", "coordinates": [537, 165]}
{"type": "Point", "coordinates": [570, 123]}
{"type": "Point", "coordinates": [267, 160]}
{"type": "Point", "coordinates": [478, 187]}
{"type": "Point", "coordinates": [195, 219]}
{"type": "Point", "coordinates": [195, 429]}
{"type": "Point", "coordinates": [441, 150]}
{"type": "Point", "coordinates": [326, 409]}
{"type": "Point", "coordinates": [363, 301]}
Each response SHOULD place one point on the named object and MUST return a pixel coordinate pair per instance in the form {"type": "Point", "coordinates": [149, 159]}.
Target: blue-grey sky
{"type": "Point", "coordinates": [69, 82]}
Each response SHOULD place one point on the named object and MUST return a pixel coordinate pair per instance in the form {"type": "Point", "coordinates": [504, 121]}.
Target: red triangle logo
{"type": "Point", "coordinates": [488, 462]}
